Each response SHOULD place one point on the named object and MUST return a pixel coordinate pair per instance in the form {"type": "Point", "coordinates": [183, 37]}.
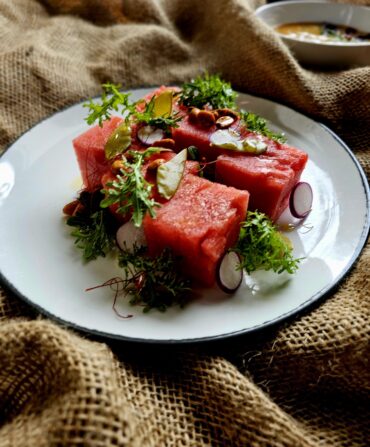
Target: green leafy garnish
{"type": "Point", "coordinates": [153, 282]}
{"type": "Point", "coordinates": [112, 99]}
{"type": "Point", "coordinates": [262, 246]}
{"type": "Point", "coordinates": [130, 190]}
{"type": "Point", "coordinates": [256, 123]}
{"type": "Point", "coordinates": [208, 90]}
{"type": "Point", "coordinates": [95, 228]}
{"type": "Point", "coordinates": [164, 122]}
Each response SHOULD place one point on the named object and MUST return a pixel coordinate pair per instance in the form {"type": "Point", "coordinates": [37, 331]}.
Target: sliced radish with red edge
{"type": "Point", "coordinates": [300, 201]}
{"type": "Point", "coordinates": [229, 273]}
{"type": "Point", "coordinates": [128, 235]}
{"type": "Point", "coordinates": [149, 134]}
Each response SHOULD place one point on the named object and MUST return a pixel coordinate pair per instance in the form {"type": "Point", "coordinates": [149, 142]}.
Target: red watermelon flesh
{"type": "Point", "coordinates": [188, 134]}
{"type": "Point", "coordinates": [198, 224]}
{"type": "Point", "coordinates": [268, 181]}
{"type": "Point", "coordinates": [191, 167]}
{"type": "Point", "coordinates": [269, 177]}
{"type": "Point", "coordinates": [89, 149]}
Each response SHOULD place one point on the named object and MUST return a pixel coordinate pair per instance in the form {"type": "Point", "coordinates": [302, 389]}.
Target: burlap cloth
{"type": "Point", "coordinates": [306, 383]}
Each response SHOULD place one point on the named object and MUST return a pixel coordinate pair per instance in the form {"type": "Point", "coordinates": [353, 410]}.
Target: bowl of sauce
{"type": "Point", "coordinates": [319, 33]}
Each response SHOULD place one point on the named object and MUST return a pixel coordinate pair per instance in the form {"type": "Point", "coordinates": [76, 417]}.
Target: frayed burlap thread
{"type": "Point", "coordinates": [305, 383]}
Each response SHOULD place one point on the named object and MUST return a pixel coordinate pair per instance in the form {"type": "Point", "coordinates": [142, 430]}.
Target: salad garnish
{"type": "Point", "coordinates": [256, 123]}
{"type": "Point", "coordinates": [129, 190]}
{"type": "Point", "coordinates": [208, 90]}
{"type": "Point", "coordinates": [169, 175]}
{"type": "Point", "coordinates": [300, 200]}
{"type": "Point", "coordinates": [158, 117]}
{"type": "Point", "coordinates": [114, 100]}
{"type": "Point", "coordinates": [155, 283]}
{"type": "Point", "coordinates": [94, 227]}
{"type": "Point", "coordinates": [262, 246]}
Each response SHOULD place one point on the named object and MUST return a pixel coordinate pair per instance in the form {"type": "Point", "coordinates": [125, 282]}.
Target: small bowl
{"type": "Point", "coordinates": [327, 54]}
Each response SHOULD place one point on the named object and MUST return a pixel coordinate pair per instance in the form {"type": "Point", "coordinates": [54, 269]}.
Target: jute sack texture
{"type": "Point", "coordinates": [304, 384]}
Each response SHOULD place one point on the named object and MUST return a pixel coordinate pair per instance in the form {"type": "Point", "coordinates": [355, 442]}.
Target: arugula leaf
{"type": "Point", "coordinates": [112, 99]}
{"type": "Point", "coordinates": [262, 246]}
{"type": "Point", "coordinates": [130, 190]}
{"type": "Point", "coordinates": [208, 90]}
{"type": "Point", "coordinates": [153, 282]}
{"type": "Point", "coordinates": [256, 123]}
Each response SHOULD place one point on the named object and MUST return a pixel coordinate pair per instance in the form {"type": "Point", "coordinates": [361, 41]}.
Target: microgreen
{"type": "Point", "coordinates": [262, 246]}
{"type": "Point", "coordinates": [256, 123]}
{"type": "Point", "coordinates": [94, 228]}
{"type": "Point", "coordinates": [153, 282]}
{"type": "Point", "coordinates": [208, 90]}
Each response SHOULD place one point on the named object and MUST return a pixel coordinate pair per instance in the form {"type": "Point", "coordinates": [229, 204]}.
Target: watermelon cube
{"type": "Point", "coordinates": [265, 179]}
{"type": "Point", "coordinates": [89, 149]}
{"type": "Point", "coordinates": [199, 223]}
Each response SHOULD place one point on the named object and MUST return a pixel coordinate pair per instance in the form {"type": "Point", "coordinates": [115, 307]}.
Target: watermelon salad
{"type": "Point", "coordinates": [186, 189]}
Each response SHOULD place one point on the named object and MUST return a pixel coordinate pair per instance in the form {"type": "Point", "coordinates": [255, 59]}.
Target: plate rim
{"type": "Point", "coordinates": [287, 316]}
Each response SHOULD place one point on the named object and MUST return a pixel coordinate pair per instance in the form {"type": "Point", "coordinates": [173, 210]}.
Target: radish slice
{"type": "Point", "coordinates": [128, 235]}
{"type": "Point", "coordinates": [149, 134]}
{"type": "Point", "coordinates": [300, 201]}
{"type": "Point", "coordinates": [229, 273]}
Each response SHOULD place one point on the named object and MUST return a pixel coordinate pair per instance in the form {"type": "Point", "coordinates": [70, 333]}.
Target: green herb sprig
{"type": "Point", "coordinates": [262, 246]}
{"type": "Point", "coordinates": [153, 282]}
{"type": "Point", "coordinates": [256, 123]}
{"type": "Point", "coordinates": [112, 100]}
{"type": "Point", "coordinates": [130, 190]}
{"type": "Point", "coordinates": [207, 90]}
{"type": "Point", "coordinates": [161, 122]}
{"type": "Point", "coordinates": [94, 228]}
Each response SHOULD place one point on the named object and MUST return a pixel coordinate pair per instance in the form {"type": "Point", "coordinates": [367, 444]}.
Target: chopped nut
{"type": "Point", "coordinates": [167, 143]}
{"type": "Point", "coordinates": [79, 209]}
{"type": "Point", "coordinates": [153, 165]}
{"type": "Point", "coordinates": [118, 164]}
{"type": "Point", "coordinates": [206, 118]}
{"type": "Point", "coordinates": [227, 112]}
{"type": "Point", "coordinates": [70, 207]}
{"type": "Point", "coordinates": [224, 121]}
{"type": "Point", "coordinates": [193, 115]}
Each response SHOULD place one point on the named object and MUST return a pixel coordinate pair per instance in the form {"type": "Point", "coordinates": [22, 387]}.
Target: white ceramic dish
{"type": "Point", "coordinates": [38, 259]}
{"type": "Point", "coordinates": [323, 54]}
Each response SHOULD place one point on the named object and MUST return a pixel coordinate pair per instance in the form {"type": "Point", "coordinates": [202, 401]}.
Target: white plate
{"type": "Point", "coordinates": [38, 259]}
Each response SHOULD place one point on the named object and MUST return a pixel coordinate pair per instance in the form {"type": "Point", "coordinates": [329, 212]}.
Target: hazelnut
{"type": "Point", "coordinates": [69, 209]}
{"type": "Point", "coordinates": [227, 112]}
{"type": "Point", "coordinates": [193, 115]}
{"type": "Point", "coordinates": [167, 143]}
{"type": "Point", "coordinates": [118, 164]}
{"type": "Point", "coordinates": [206, 118]}
{"type": "Point", "coordinates": [153, 165]}
{"type": "Point", "coordinates": [79, 209]}
{"type": "Point", "coordinates": [225, 121]}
